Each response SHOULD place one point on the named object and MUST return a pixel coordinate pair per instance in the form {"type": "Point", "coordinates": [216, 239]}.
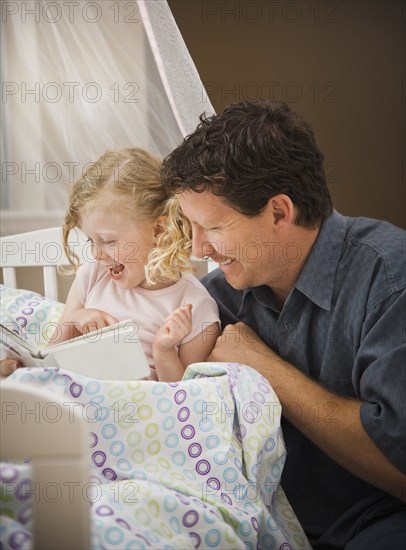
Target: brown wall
{"type": "Point", "coordinates": [341, 64]}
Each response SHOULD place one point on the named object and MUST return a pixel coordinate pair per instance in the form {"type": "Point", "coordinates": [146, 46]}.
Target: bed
{"type": "Point", "coordinates": [139, 464]}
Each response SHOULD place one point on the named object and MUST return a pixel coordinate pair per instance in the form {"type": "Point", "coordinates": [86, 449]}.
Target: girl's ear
{"type": "Point", "coordinates": [282, 209]}
{"type": "Point", "coordinates": [160, 226]}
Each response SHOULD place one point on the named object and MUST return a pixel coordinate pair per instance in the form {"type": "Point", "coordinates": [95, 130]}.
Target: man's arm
{"type": "Point", "coordinates": [307, 405]}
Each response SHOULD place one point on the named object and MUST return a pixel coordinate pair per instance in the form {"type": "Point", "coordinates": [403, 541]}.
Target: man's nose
{"type": "Point", "coordinates": [201, 247]}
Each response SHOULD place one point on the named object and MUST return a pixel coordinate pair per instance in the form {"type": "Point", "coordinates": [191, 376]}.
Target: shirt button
{"type": "Point", "coordinates": [285, 327]}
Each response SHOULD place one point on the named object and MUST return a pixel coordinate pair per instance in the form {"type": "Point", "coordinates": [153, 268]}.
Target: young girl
{"type": "Point", "coordinates": [141, 246]}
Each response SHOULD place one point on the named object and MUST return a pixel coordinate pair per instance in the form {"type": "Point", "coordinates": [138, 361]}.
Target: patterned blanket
{"type": "Point", "coordinates": [193, 464]}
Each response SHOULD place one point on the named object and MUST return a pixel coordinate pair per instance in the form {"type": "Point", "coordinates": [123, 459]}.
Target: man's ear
{"type": "Point", "coordinates": [282, 209]}
{"type": "Point", "coordinates": [159, 227]}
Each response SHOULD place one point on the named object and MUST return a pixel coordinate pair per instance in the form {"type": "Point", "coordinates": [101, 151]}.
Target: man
{"type": "Point", "coordinates": [314, 301]}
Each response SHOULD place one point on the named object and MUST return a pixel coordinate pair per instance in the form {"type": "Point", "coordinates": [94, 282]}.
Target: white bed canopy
{"type": "Point", "coordinates": [80, 78]}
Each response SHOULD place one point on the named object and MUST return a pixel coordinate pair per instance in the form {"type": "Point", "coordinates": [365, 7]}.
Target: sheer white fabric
{"type": "Point", "coordinates": [80, 79]}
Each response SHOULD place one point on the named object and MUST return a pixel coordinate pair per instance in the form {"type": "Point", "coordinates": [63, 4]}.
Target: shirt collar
{"type": "Point", "coordinates": [316, 280]}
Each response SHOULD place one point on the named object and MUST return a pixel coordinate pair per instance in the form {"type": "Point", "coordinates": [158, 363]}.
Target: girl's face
{"type": "Point", "coordinates": [120, 244]}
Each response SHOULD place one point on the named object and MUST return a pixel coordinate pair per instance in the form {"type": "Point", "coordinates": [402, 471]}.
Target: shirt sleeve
{"type": "Point", "coordinates": [381, 360]}
{"type": "Point", "coordinates": [204, 313]}
{"type": "Point", "coordinates": [86, 277]}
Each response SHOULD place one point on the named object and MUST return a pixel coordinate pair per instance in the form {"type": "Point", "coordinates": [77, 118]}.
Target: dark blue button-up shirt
{"type": "Point", "coordinates": [343, 324]}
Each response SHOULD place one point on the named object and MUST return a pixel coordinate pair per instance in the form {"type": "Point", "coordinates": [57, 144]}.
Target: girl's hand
{"type": "Point", "coordinates": [176, 327]}
{"type": "Point", "coordinates": [87, 320]}
{"type": "Point", "coordinates": [81, 321]}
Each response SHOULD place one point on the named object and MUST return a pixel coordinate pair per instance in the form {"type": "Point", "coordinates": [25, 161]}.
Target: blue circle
{"type": "Point", "coordinates": [199, 406]}
{"type": "Point", "coordinates": [171, 440]}
{"type": "Point", "coordinates": [116, 448]}
{"type": "Point", "coordinates": [124, 464]}
{"type": "Point", "coordinates": [158, 388]}
{"type": "Point", "coordinates": [245, 528]}
{"type": "Point", "coordinates": [169, 423]}
{"type": "Point", "coordinates": [109, 431]}
{"type": "Point", "coordinates": [268, 541]}
{"type": "Point", "coordinates": [212, 441]}
{"type": "Point", "coordinates": [195, 389]}
{"type": "Point", "coordinates": [170, 503]}
{"type": "Point", "coordinates": [269, 444]}
{"type": "Point", "coordinates": [92, 387]}
{"type": "Point", "coordinates": [212, 538]}
{"type": "Point", "coordinates": [206, 425]}
{"type": "Point", "coordinates": [114, 535]}
{"type": "Point", "coordinates": [164, 405]}
{"type": "Point", "coordinates": [230, 474]}
{"type": "Point", "coordinates": [179, 458]}
{"type": "Point", "coordinates": [220, 457]}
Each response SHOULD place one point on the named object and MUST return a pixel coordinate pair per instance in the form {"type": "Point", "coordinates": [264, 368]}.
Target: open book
{"type": "Point", "coordinates": [110, 353]}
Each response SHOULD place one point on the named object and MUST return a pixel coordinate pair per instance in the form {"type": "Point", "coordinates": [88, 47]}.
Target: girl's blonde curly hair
{"type": "Point", "coordinates": [130, 180]}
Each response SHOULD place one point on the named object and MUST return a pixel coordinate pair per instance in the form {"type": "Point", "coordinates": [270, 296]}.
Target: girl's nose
{"type": "Point", "coordinates": [98, 253]}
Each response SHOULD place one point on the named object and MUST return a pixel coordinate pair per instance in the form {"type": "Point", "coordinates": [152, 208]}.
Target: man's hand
{"type": "Point", "coordinates": [239, 344]}
{"type": "Point", "coordinates": [8, 366]}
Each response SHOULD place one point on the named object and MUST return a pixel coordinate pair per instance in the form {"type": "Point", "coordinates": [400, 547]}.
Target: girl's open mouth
{"type": "Point", "coordinates": [116, 271]}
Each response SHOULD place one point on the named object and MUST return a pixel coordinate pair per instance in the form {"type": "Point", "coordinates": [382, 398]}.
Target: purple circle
{"type": "Point", "coordinates": [27, 311]}
{"type": "Point", "coordinates": [213, 483]}
{"type": "Point", "coordinates": [109, 474]}
{"type": "Point", "coordinates": [197, 539]}
{"type": "Point", "coordinates": [197, 452]}
{"type": "Point", "coordinates": [190, 518]}
{"type": "Point", "coordinates": [104, 510]}
{"type": "Point", "coordinates": [259, 397]}
{"type": "Point", "coordinates": [75, 389]}
{"type": "Point", "coordinates": [182, 498]}
{"type": "Point", "coordinates": [226, 498]}
{"type": "Point", "coordinates": [122, 522]}
{"type": "Point", "coordinates": [25, 514]}
{"type": "Point", "coordinates": [199, 503]}
{"type": "Point", "coordinates": [24, 487]}
{"type": "Point", "coordinates": [188, 428]}
{"type": "Point", "coordinates": [99, 458]}
{"type": "Point", "coordinates": [8, 474]}
{"type": "Point", "coordinates": [95, 440]}
{"type": "Point", "coordinates": [243, 430]}
{"type": "Point", "coordinates": [183, 414]}
{"type": "Point", "coordinates": [255, 523]}
{"type": "Point", "coordinates": [203, 467]}
{"type": "Point", "coordinates": [33, 304]}
{"type": "Point", "coordinates": [180, 396]}
{"type": "Point", "coordinates": [22, 321]}
{"type": "Point", "coordinates": [18, 539]}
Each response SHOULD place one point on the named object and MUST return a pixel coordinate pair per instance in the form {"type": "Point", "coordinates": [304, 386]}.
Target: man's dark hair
{"type": "Point", "coordinates": [249, 153]}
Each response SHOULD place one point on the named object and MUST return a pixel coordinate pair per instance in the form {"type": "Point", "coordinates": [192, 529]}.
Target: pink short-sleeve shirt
{"type": "Point", "coordinates": [148, 309]}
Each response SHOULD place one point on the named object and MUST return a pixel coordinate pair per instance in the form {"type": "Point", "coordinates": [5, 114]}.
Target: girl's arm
{"type": "Point", "coordinates": [76, 319]}
{"type": "Point", "coordinates": [171, 364]}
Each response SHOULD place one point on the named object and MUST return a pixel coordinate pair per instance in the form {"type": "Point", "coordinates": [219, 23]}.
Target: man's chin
{"type": "Point", "coordinates": [236, 282]}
